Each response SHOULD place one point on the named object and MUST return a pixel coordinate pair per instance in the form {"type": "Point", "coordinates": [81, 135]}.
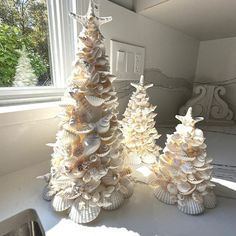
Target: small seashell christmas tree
{"type": "Point", "coordinates": [87, 171]}
{"type": "Point", "coordinates": [138, 128]}
{"type": "Point", "coordinates": [25, 75]}
{"type": "Point", "coordinates": [184, 170]}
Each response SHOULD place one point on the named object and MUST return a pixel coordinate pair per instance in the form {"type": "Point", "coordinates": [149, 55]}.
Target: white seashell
{"type": "Point", "coordinates": [209, 200]}
{"type": "Point", "coordinates": [83, 211]}
{"type": "Point", "coordinates": [103, 151]}
{"type": "Point", "coordinates": [133, 159]}
{"type": "Point", "coordinates": [95, 101]}
{"type": "Point", "coordinates": [96, 197]}
{"type": "Point", "coordinates": [97, 52]}
{"type": "Point", "coordinates": [110, 178]}
{"type": "Point", "coordinates": [116, 200]}
{"type": "Point", "coordinates": [48, 194]}
{"type": "Point", "coordinates": [87, 177]}
{"type": "Point", "coordinates": [92, 185]}
{"type": "Point", "coordinates": [209, 160]}
{"type": "Point", "coordinates": [198, 163]}
{"type": "Point", "coordinates": [187, 168]}
{"type": "Point", "coordinates": [112, 93]}
{"type": "Point", "coordinates": [85, 129]}
{"type": "Point", "coordinates": [91, 144]}
{"type": "Point", "coordinates": [60, 203]}
{"type": "Point", "coordinates": [114, 153]}
{"type": "Point", "coordinates": [101, 61]}
{"type": "Point", "coordinates": [103, 125]}
{"type": "Point", "coordinates": [129, 187]}
{"type": "Point", "coordinates": [111, 77]}
{"type": "Point", "coordinates": [197, 197]}
{"type": "Point", "coordinates": [191, 207]}
{"type": "Point", "coordinates": [183, 187]}
{"type": "Point", "coordinates": [204, 168]}
{"type": "Point", "coordinates": [172, 189]}
{"type": "Point", "coordinates": [116, 163]}
{"type": "Point", "coordinates": [192, 180]}
{"type": "Point", "coordinates": [78, 82]}
{"type": "Point", "coordinates": [149, 158]}
{"type": "Point", "coordinates": [202, 187]}
{"type": "Point", "coordinates": [106, 136]}
{"type": "Point", "coordinates": [86, 196]}
{"type": "Point", "coordinates": [108, 191]}
{"type": "Point", "coordinates": [164, 196]}
{"type": "Point", "coordinates": [111, 101]}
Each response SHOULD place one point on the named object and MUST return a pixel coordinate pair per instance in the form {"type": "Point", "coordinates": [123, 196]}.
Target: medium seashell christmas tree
{"type": "Point", "coordinates": [25, 75]}
{"type": "Point", "coordinates": [138, 128]}
{"type": "Point", "coordinates": [87, 170]}
{"type": "Point", "coordinates": [184, 170]}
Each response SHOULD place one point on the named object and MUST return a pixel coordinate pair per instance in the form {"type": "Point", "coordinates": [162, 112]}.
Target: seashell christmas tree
{"type": "Point", "coordinates": [139, 133]}
{"type": "Point", "coordinates": [87, 165]}
{"type": "Point", "coordinates": [184, 171]}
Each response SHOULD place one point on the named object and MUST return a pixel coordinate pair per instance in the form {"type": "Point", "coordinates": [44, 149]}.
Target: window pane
{"type": "Point", "coordinates": [24, 48]}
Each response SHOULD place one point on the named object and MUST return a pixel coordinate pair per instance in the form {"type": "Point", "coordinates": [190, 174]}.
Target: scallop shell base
{"type": "Point", "coordinates": [116, 200]}
{"type": "Point", "coordinates": [60, 203]}
{"type": "Point", "coordinates": [191, 207]}
{"type": "Point", "coordinates": [209, 200]}
{"type": "Point", "coordinates": [164, 196]}
{"type": "Point", "coordinates": [86, 214]}
{"type": "Point", "coordinates": [129, 186]}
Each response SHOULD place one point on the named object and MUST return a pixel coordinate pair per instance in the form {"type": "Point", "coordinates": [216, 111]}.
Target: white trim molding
{"type": "Point", "coordinates": [207, 101]}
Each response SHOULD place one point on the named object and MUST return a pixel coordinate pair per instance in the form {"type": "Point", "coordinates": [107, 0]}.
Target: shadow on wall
{"type": "Point", "coordinates": [168, 94]}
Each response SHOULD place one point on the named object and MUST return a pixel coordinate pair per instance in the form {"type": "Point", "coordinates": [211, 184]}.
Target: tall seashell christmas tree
{"type": "Point", "coordinates": [138, 128]}
{"type": "Point", "coordinates": [184, 170]}
{"type": "Point", "coordinates": [87, 170]}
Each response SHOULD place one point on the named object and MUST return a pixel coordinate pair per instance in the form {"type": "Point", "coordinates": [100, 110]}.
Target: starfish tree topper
{"type": "Point", "coordinates": [93, 11]}
{"type": "Point", "coordinates": [188, 119]}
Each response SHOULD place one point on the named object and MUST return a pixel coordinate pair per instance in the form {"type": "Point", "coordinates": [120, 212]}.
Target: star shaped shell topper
{"type": "Point", "coordinates": [188, 119]}
{"type": "Point", "coordinates": [141, 85]}
{"type": "Point", "coordinates": [93, 12]}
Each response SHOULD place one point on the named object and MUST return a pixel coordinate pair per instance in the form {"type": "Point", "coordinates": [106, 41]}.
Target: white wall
{"type": "Point", "coordinates": [173, 52]}
{"type": "Point", "coordinates": [217, 64]}
{"type": "Point", "coordinates": [23, 143]}
{"type": "Point", "coordinates": [129, 4]}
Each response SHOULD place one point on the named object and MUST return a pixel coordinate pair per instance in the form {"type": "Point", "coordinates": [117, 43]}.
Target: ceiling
{"type": "Point", "coordinates": [202, 19]}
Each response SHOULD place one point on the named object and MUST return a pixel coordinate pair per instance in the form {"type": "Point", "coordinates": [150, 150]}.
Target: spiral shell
{"type": "Point", "coordinates": [91, 144]}
{"type": "Point", "coordinates": [84, 211]}
{"type": "Point", "coordinates": [191, 207]}
{"type": "Point", "coordinates": [116, 200]}
{"type": "Point", "coordinates": [60, 203]}
{"type": "Point", "coordinates": [164, 196]}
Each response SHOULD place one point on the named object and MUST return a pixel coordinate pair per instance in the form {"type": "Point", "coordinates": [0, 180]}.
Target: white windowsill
{"type": "Point", "coordinates": [11, 115]}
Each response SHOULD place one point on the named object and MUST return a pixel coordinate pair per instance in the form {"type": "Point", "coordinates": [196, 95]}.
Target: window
{"type": "Point", "coordinates": [37, 45]}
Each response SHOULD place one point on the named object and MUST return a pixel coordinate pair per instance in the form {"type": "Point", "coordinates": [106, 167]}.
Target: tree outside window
{"type": "Point", "coordinates": [24, 29]}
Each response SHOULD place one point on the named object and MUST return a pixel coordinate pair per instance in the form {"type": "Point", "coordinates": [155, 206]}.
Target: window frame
{"type": "Point", "coordinates": [62, 44]}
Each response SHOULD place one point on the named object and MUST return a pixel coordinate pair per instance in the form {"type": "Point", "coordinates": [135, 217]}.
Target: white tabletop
{"type": "Point", "coordinates": [142, 213]}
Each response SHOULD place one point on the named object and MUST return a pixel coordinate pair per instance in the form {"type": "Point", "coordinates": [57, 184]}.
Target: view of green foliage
{"type": "Point", "coordinates": [23, 22]}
